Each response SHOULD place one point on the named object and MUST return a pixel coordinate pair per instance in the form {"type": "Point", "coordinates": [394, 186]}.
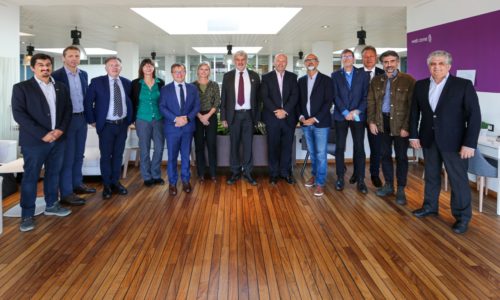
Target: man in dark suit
{"type": "Point", "coordinates": [350, 88]}
{"type": "Point", "coordinates": [369, 57]}
{"type": "Point", "coordinates": [279, 94]}
{"type": "Point", "coordinates": [315, 101]}
{"type": "Point", "coordinates": [76, 80]}
{"type": "Point", "coordinates": [42, 108]}
{"type": "Point", "coordinates": [109, 109]}
{"type": "Point", "coordinates": [179, 104]}
{"type": "Point", "coordinates": [240, 111]}
{"type": "Point", "coordinates": [445, 122]}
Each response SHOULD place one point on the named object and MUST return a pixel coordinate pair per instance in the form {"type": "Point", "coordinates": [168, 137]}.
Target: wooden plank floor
{"type": "Point", "coordinates": [244, 242]}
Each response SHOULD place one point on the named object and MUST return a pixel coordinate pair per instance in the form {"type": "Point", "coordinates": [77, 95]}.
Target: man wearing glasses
{"type": "Point", "coordinates": [315, 101]}
{"type": "Point", "coordinates": [179, 104]}
{"type": "Point", "coordinates": [389, 103]}
{"type": "Point", "coordinates": [350, 88]}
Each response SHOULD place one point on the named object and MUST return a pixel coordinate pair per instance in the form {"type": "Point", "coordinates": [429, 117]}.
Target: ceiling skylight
{"type": "Point", "coordinates": [218, 20]}
{"type": "Point", "coordinates": [90, 51]}
{"type": "Point", "coordinates": [223, 50]}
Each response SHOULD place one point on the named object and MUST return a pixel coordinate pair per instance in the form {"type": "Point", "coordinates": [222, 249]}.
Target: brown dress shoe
{"type": "Point", "coordinates": [172, 190]}
{"type": "Point", "coordinates": [186, 187]}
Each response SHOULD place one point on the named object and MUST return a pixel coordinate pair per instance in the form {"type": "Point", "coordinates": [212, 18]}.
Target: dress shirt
{"type": "Point", "coordinates": [435, 90]}
{"type": "Point", "coordinates": [75, 89]}
{"type": "Point", "coordinates": [348, 77]}
{"type": "Point", "coordinates": [280, 84]}
{"type": "Point", "coordinates": [248, 89]}
{"type": "Point", "coordinates": [178, 91]}
{"type": "Point", "coordinates": [49, 92]}
{"type": "Point", "coordinates": [111, 108]}
{"type": "Point", "coordinates": [386, 103]}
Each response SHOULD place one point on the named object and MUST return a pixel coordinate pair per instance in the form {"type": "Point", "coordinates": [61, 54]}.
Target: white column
{"type": "Point", "coordinates": [324, 52]}
{"type": "Point", "coordinates": [129, 54]}
{"type": "Point", "coordinates": [9, 65]}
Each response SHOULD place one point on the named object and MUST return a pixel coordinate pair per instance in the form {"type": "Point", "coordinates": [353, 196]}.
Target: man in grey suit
{"type": "Point", "coordinates": [239, 111]}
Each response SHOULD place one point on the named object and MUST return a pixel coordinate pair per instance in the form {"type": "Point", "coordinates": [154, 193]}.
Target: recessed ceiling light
{"type": "Point", "coordinates": [223, 50]}
{"type": "Point", "coordinates": [25, 34]}
{"type": "Point", "coordinates": [325, 26]}
{"type": "Point", "coordinates": [218, 20]}
{"type": "Point", "coordinates": [90, 51]}
{"type": "Point", "coordinates": [117, 26]}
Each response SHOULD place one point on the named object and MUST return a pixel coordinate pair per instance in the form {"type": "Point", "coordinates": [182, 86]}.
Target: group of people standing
{"type": "Point", "coordinates": [53, 112]}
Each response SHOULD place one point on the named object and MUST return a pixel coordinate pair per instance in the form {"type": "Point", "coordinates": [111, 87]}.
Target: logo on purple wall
{"type": "Point", "coordinates": [425, 39]}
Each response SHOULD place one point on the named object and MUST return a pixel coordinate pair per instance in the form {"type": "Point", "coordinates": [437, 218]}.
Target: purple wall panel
{"type": "Point", "coordinates": [474, 43]}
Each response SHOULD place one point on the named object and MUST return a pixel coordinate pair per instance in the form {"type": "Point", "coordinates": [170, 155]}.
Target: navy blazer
{"type": "Point", "coordinates": [170, 109]}
{"type": "Point", "coordinates": [321, 99]}
{"type": "Point", "coordinates": [31, 111]}
{"type": "Point", "coordinates": [350, 98]}
{"type": "Point", "coordinates": [62, 76]}
{"type": "Point", "coordinates": [228, 96]}
{"type": "Point", "coordinates": [97, 101]}
{"type": "Point", "coordinates": [272, 98]}
{"type": "Point", "coordinates": [455, 122]}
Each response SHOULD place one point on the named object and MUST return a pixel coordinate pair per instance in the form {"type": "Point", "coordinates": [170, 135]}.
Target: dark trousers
{"type": "Point", "coordinates": [457, 173]}
{"type": "Point", "coordinates": [111, 145]}
{"type": "Point", "coordinates": [358, 139]}
{"type": "Point", "coordinates": [375, 152]}
{"type": "Point", "coordinates": [401, 152]}
{"type": "Point", "coordinates": [206, 135]}
{"type": "Point", "coordinates": [241, 133]}
{"type": "Point", "coordinates": [49, 155]}
{"type": "Point", "coordinates": [279, 148]}
{"type": "Point", "coordinates": [71, 173]}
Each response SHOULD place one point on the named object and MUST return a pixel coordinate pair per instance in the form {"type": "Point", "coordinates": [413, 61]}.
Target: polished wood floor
{"type": "Point", "coordinates": [244, 242]}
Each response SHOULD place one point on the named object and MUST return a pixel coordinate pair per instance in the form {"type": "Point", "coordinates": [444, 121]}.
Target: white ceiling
{"type": "Point", "coordinates": [52, 20]}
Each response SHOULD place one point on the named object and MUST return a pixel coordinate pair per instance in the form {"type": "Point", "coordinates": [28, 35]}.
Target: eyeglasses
{"type": "Point", "coordinates": [311, 60]}
{"type": "Point", "coordinates": [179, 72]}
{"type": "Point", "coordinates": [347, 56]}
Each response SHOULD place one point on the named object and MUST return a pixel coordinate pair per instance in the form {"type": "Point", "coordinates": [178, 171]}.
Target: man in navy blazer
{"type": "Point", "coordinates": [76, 80]}
{"type": "Point", "coordinates": [42, 108]}
{"type": "Point", "coordinates": [350, 89]}
{"type": "Point", "coordinates": [239, 110]}
{"type": "Point", "coordinates": [369, 57]}
{"type": "Point", "coordinates": [315, 101]}
{"type": "Point", "coordinates": [179, 104]}
{"type": "Point", "coordinates": [279, 93]}
{"type": "Point", "coordinates": [109, 109]}
{"type": "Point", "coordinates": [445, 121]}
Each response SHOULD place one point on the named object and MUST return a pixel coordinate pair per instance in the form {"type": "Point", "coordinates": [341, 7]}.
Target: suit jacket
{"type": "Point", "coordinates": [272, 98]}
{"type": "Point", "coordinates": [170, 109]}
{"type": "Point", "coordinates": [350, 98]}
{"type": "Point", "coordinates": [136, 91]}
{"type": "Point", "coordinates": [31, 111]}
{"type": "Point", "coordinates": [97, 101]}
{"type": "Point", "coordinates": [229, 96]}
{"type": "Point", "coordinates": [321, 99]}
{"type": "Point", "coordinates": [455, 122]}
{"type": "Point", "coordinates": [62, 76]}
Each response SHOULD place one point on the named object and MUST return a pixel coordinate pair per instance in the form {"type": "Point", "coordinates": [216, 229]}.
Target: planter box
{"type": "Point", "coordinates": [259, 150]}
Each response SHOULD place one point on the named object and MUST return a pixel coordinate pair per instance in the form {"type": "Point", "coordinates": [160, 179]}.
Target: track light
{"type": "Point", "coordinates": [153, 57]}
{"type": "Point", "coordinates": [76, 35]}
{"type": "Point", "coordinates": [29, 54]}
{"type": "Point", "coordinates": [229, 55]}
{"type": "Point", "coordinates": [299, 63]}
{"type": "Point", "coordinates": [361, 34]}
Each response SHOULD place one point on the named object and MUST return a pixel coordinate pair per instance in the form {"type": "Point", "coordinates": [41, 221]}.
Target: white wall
{"type": "Point", "coordinates": [438, 12]}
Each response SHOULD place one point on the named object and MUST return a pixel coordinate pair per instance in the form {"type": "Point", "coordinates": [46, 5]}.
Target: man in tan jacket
{"type": "Point", "coordinates": [389, 103]}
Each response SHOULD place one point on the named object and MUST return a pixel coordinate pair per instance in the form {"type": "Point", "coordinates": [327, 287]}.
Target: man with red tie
{"type": "Point", "coordinates": [239, 111]}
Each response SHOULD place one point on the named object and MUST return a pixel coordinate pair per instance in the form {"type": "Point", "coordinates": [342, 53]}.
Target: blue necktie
{"type": "Point", "coordinates": [183, 99]}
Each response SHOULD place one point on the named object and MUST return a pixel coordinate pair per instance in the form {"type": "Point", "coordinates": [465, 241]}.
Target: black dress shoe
{"type": "Point", "coordinates": [172, 190]}
{"type": "Point", "coordinates": [148, 182]}
{"type": "Point", "coordinates": [83, 189]}
{"type": "Point", "coordinates": [158, 181]}
{"type": "Point", "coordinates": [339, 184]}
{"type": "Point", "coordinates": [186, 187]}
{"type": "Point", "coordinates": [376, 181]}
{"type": "Point", "coordinates": [72, 199]}
{"type": "Point", "coordinates": [353, 179]}
{"type": "Point", "coordinates": [233, 179]}
{"type": "Point", "coordinates": [107, 192]}
{"type": "Point", "coordinates": [288, 179]}
{"type": "Point", "coordinates": [250, 179]}
{"type": "Point", "coordinates": [273, 180]}
{"type": "Point", "coordinates": [460, 227]}
{"type": "Point", "coordinates": [423, 212]}
{"type": "Point", "coordinates": [119, 189]}
{"type": "Point", "coordinates": [362, 187]}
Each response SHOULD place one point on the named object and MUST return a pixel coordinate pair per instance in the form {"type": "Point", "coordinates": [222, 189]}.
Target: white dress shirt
{"type": "Point", "coordinates": [49, 92]}
{"type": "Point", "coordinates": [435, 90]}
{"type": "Point", "coordinates": [111, 109]}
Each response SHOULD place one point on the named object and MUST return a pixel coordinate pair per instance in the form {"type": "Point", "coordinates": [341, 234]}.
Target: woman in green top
{"type": "Point", "coordinates": [206, 121]}
{"type": "Point", "coordinates": [149, 121]}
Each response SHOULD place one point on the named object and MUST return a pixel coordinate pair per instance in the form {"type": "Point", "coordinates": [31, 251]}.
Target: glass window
{"type": "Point", "coordinates": [263, 66]}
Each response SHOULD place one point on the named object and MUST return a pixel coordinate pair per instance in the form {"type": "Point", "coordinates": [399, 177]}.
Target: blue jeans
{"type": "Point", "coordinates": [71, 173]}
{"type": "Point", "coordinates": [317, 139]}
{"type": "Point", "coordinates": [147, 131]}
{"type": "Point", "coordinates": [49, 155]}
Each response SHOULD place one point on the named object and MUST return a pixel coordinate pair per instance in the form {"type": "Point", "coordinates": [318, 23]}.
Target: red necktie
{"type": "Point", "coordinates": [241, 91]}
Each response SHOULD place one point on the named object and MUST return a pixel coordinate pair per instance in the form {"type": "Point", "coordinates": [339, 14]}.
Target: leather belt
{"type": "Point", "coordinates": [116, 122]}
{"type": "Point", "coordinates": [78, 113]}
{"type": "Point", "coordinates": [242, 110]}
